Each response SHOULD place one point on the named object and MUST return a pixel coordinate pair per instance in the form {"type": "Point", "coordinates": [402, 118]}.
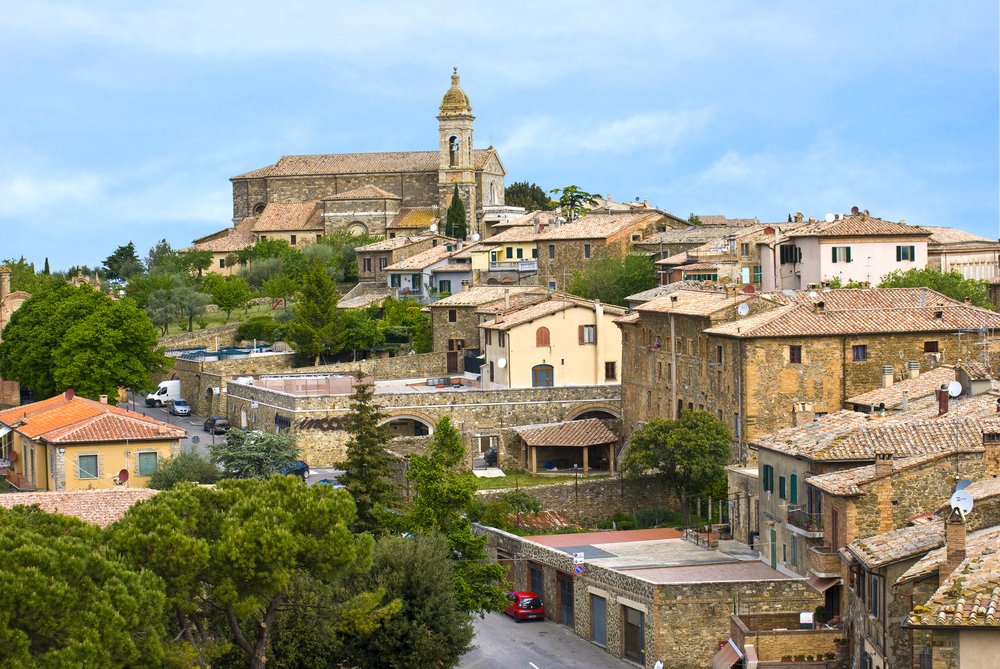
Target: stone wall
{"type": "Point", "coordinates": [465, 326]}
{"type": "Point", "coordinates": [588, 501]}
{"type": "Point", "coordinates": [416, 366]}
{"type": "Point", "coordinates": [318, 420]}
{"type": "Point", "coordinates": [776, 636]}
{"type": "Point", "coordinates": [200, 379]}
{"type": "Point", "coordinates": [224, 335]}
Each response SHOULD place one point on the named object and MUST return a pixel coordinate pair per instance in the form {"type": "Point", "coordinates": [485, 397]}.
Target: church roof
{"type": "Point", "coordinates": [304, 216]}
{"type": "Point", "coordinates": [366, 192]}
{"type": "Point", "coordinates": [455, 102]}
{"type": "Point", "coordinates": [416, 218]}
{"type": "Point", "coordinates": [229, 240]}
{"type": "Point", "coordinates": [386, 162]}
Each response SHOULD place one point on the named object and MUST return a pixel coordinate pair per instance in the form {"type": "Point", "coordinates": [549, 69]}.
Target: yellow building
{"type": "Point", "coordinates": [73, 443]}
{"type": "Point", "coordinates": [562, 341]}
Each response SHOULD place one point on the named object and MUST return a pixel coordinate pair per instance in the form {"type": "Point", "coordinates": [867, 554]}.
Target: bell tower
{"type": "Point", "coordinates": [456, 164]}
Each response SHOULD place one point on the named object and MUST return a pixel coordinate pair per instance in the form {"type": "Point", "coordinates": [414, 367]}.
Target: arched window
{"type": "Point", "coordinates": [542, 337]}
{"type": "Point", "coordinates": [453, 150]}
{"type": "Point", "coordinates": [493, 193]}
{"type": "Point", "coordinates": [541, 376]}
{"type": "Point", "coordinates": [258, 209]}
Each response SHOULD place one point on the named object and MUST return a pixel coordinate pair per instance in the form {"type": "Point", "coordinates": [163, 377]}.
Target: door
{"type": "Point", "coordinates": [774, 549]}
{"type": "Point", "coordinates": [598, 620]}
{"type": "Point", "coordinates": [635, 640]}
{"type": "Point", "coordinates": [455, 347]}
{"type": "Point", "coordinates": [537, 581]}
{"type": "Point", "coordinates": [566, 600]}
{"type": "Point", "coordinates": [542, 376]}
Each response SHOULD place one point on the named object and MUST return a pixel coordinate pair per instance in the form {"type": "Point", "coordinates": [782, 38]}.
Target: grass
{"type": "Point", "coordinates": [522, 479]}
{"type": "Point", "coordinates": [219, 317]}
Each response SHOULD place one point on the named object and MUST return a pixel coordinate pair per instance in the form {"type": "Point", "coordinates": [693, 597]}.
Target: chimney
{"type": "Point", "coordinates": [802, 413]}
{"type": "Point", "coordinates": [69, 394]}
{"type": "Point", "coordinates": [820, 307]}
{"type": "Point", "coordinates": [912, 369]}
{"type": "Point", "coordinates": [4, 281]}
{"type": "Point", "coordinates": [538, 224]}
{"type": "Point", "coordinates": [967, 300]}
{"type": "Point", "coordinates": [887, 374]}
{"type": "Point", "coordinates": [904, 404]}
{"type": "Point", "coordinates": [938, 315]}
{"type": "Point", "coordinates": [954, 544]}
{"type": "Point", "coordinates": [506, 299]}
{"type": "Point", "coordinates": [798, 217]}
{"type": "Point", "coordinates": [883, 462]}
{"type": "Point", "coordinates": [104, 399]}
{"type": "Point", "coordinates": [942, 397]}
{"type": "Point", "coordinates": [991, 455]}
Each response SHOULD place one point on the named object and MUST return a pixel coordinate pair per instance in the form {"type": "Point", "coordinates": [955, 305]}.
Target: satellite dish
{"type": "Point", "coordinates": [501, 362]}
{"type": "Point", "coordinates": [961, 501]}
{"type": "Point", "coordinates": [434, 227]}
{"type": "Point", "coordinates": [743, 309]}
{"type": "Point", "coordinates": [122, 477]}
{"type": "Point", "coordinates": [830, 218]}
{"type": "Point", "coordinates": [475, 236]}
{"type": "Point", "coordinates": [962, 485]}
{"type": "Point", "coordinates": [954, 389]}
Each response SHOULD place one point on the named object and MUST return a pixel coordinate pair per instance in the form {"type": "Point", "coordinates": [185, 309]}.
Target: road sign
{"type": "Point", "coordinates": [578, 570]}
{"type": "Point", "coordinates": [577, 558]}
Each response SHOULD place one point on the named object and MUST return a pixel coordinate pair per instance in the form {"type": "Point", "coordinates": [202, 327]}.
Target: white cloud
{"type": "Point", "coordinates": [27, 194]}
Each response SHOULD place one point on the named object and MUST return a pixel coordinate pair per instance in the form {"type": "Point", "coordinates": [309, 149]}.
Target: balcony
{"type": "Point", "coordinates": [514, 266]}
{"type": "Point", "coordinates": [807, 524]}
{"type": "Point", "coordinates": [824, 562]}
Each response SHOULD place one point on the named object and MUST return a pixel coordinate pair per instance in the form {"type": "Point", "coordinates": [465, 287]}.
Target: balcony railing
{"type": "Point", "coordinates": [514, 266]}
{"type": "Point", "coordinates": [824, 561]}
{"type": "Point", "coordinates": [811, 523]}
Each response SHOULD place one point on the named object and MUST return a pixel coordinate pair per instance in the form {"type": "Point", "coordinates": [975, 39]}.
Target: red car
{"type": "Point", "coordinates": [524, 606]}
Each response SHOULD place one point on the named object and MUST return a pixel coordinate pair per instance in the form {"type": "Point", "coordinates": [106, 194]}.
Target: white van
{"type": "Point", "coordinates": [166, 392]}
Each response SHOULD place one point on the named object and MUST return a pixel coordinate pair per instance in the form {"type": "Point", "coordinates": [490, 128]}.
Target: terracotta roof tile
{"type": "Point", "coordinates": [421, 260]}
{"type": "Point", "coordinates": [722, 220]}
{"type": "Point", "coordinates": [599, 226]}
{"type": "Point", "coordinates": [481, 295]}
{"type": "Point", "coordinates": [975, 544]}
{"type": "Point", "coordinates": [554, 304]}
{"type": "Point", "coordinates": [413, 218]}
{"type": "Point", "coordinates": [81, 419]}
{"type": "Point", "coordinates": [114, 427]}
{"type": "Point", "coordinates": [98, 507]}
{"type": "Point", "coordinates": [358, 163]}
{"type": "Point", "coordinates": [229, 240]}
{"type": "Point", "coordinates": [923, 386]}
{"type": "Point", "coordinates": [899, 544]}
{"type": "Point", "coordinates": [366, 192]}
{"type": "Point", "coordinates": [453, 267]}
{"type": "Point", "coordinates": [280, 217]}
{"type": "Point", "coordinates": [589, 432]}
{"type": "Point", "coordinates": [858, 225]}
{"type": "Point", "coordinates": [692, 302]}
{"type": "Point", "coordinates": [847, 482]}
{"type": "Point", "coordinates": [397, 243]}
{"type": "Point", "coordinates": [943, 235]}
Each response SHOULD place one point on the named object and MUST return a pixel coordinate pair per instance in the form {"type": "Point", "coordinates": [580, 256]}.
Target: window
{"type": "Point", "coordinates": [874, 593]}
{"type": "Point", "coordinates": [87, 466]}
{"type": "Point", "coordinates": [452, 315]}
{"type": "Point", "coordinates": [222, 263]}
{"type": "Point", "coordinates": [489, 337]}
{"type": "Point", "coordinates": [509, 252]}
{"type": "Point", "coordinates": [636, 237]}
{"type": "Point", "coordinates": [795, 355]}
{"type": "Point", "coordinates": [367, 263]}
{"type": "Point", "coordinates": [718, 354]}
{"type": "Point", "coordinates": [649, 400]}
{"type": "Point", "coordinates": [908, 253]}
{"type": "Point", "coordinates": [552, 285]}
{"type": "Point", "coordinates": [859, 353]}
{"type": "Point", "coordinates": [588, 334]}
{"type": "Point", "coordinates": [292, 240]}
{"type": "Point", "coordinates": [415, 282]}
{"type": "Point", "coordinates": [930, 347]}
{"type": "Point", "coordinates": [841, 254]}
{"type": "Point", "coordinates": [444, 287]}
{"type": "Point", "coordinates": [768, 478]}
{"type": "Point", "coordinates": [790, 254]}
{"type": "Point", "coordinates": [493, 256]}
{"type": "Point", "coordinates": [795, 551]}
{"type": "Point", "coordinates": [541, 376]}
{"type": "Point", "coordinates": [610, 371]}
{"type": "Point", "coordinates": [492, 377]}
{"type": "Point", "coordinates": [552, 250]}
{"type": "Point", "coordinates": [520, 253]}
{"type": "Point", "coordinates": [149, 463]}
{"type": "Point", "coordinates": [781, 488]}
{"type": "Point", "coordinates": [542, 337]}
{"type": "Point", "coordinates": [534, 252]}
{"type": "Point", "coordinates": [744, 249]}
{"type": "Point", "coordinates": [659, 370]}
{"type": "Point", "coordinates": [383, 262]}
{"type": "Point", "coordinates": [501, 339]}
{"type": "Point", "coordinates": [756, 274]}
{"type": "Point", "coordinates": [793, 489]}
{"type": "Point", "coordinates": [394, 280]}
{"type": "Point", "coordinates": [586, 250]}
{"type": "Point", "coordinates": [263, 238]}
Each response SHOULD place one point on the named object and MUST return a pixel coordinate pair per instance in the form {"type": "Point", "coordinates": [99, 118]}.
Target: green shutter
{"type": "Point", "coordinates": [781, 487]}
{"type": "Point", "coordinates": [834, 249]}
{"type": "Point", "coordinates": [848, 254]}
{"type": "Point", "coordinates": [793, 492]}
{"type": "Point", "coordinates": [899, 253]}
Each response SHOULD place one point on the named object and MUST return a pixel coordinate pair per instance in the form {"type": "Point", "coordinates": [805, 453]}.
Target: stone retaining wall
{"type": "Point", "coordinates": [418, 365]}
{"type": "Point", "coordinates": [225, 333]}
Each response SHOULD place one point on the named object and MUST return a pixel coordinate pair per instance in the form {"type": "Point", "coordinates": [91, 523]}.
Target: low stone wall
{"type": "Point", "coordinates": [776, 636]}
{"type": "Point", "coordinates": [418, 365]}
{"type": "Point", "coordinates": [203, 383]}
{"type": "Point", "coordinates": [589, 501]}
{"type": "Point", "coordinates": [224, 335]}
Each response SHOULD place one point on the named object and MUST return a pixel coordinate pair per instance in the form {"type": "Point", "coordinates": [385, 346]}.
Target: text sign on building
{"type": "Point", "coordinates": [577, 558]}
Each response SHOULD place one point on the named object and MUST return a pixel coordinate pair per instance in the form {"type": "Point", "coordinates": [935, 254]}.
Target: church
{"type": "Point", "coordinates": [301, 198]}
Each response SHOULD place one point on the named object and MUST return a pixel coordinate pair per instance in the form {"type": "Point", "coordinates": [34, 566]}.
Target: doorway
{"type": "Point", "coordinates": [455, 347]}
{"type": "Point", "coordinates": [565, 599]}
{"type": "Point", "coordinates": [635, 640]}
{"type": "Point", "coordinates": [599, 620]}
{"type": "Point", "coordinates": [774, 549]}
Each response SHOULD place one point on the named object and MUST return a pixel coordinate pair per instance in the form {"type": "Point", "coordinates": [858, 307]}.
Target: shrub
{"type": "Point", "coordinates": [261, 328]}
{"type": "Point", "coordinates": [184, 467]}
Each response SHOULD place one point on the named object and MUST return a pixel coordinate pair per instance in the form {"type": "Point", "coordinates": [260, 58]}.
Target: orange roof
{"type": "Point", "coordinates": [281, 217]}
{"type": "Point", "coordinates": [73, 419]}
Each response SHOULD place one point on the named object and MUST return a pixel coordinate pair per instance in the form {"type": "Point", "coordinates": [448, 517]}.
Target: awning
{"type": "Point", "coordinates": [820, 584]}
{"type": "Point", "coordinates": [727, 656]}
{"type": "Point", "coordinates": [4, 430]}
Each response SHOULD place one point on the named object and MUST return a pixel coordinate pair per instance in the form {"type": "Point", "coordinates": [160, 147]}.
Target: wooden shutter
{"type": "Point", "coordinates": [580, 333]}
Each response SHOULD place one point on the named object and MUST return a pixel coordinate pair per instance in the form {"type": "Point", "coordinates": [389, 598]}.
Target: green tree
{"type": "Point", "coordinates": [432, 629]}
{"type": "Point", "coordinates": [23, 276]}
{"type": "Point", "coordinates": [317, 327]}
{"type": "Point", "coordinates": [46, 271]}
{"type": "Point", "coordinates": [65, 337]}
{"type": "Point", "coordinates": [445, 493]}
{"type": "Point", "coordinates": [611, 279]}
{"type": "Point", "coordinates": [195, 260]}
{"type": "Point", "coordinates": [574, 202]}
{"type": "Point", "coordinates": [123, 263]}
{"type": "Point", "coordinates": [230, 293]}
{"type": "Point", "coordinates": [951, 283]}
{"type": "Point", "coordinates": [66, 601]}
{"type": "Point", "coordinates": [361, 332]}
{"type": "Point", "coordinates": [190, 303]}
{"type": "Point", "coordinates": [688, 454]}
{"type": "Point", "coordinates": [254, 453]}
{"type": "Point", "coordinates": [455, 220]}
{"type": "Point", "coordinates": [279, 288]}
{"type": "Point", "coordinates": [236, 550]}
{"type": "Point", "coordinates": [694, 220]}
{"type": "Point", "coordinates": [367, 467]}
{"type": "Point", "coordinates": [163, 258]}
{"type": "Point", "coordinates": [527, 195]}
{"type": "Point", "coordinates": [184, 467]}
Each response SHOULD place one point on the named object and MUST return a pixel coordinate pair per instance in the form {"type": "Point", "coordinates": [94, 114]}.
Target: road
{"type": "Point", "coordinates": [501, 643]}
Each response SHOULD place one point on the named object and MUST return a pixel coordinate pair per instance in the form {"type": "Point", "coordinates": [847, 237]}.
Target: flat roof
{"type": "Point", "coordinates": [711, 573]}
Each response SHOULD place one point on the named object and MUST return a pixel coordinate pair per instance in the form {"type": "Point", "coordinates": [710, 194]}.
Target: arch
{"type": "Point", "coordinates": [506, 281]}
{"type": "Point", "coordinates": [542, 336]}
{"type": "Point", "coordinates": [492, 282]}
{"type": "Point", "coordinates": [258, 208]}
{"type": "Point", "coordinates": [494, 199]}
{"type": "Point", "coordinates": [453, 146]}
{"type": "Point", "coordinates": [409, 424]}
{"type": "Point", "coordinates": [357, 228]}
{"type": "Point", "coordinates": [542, 376]}
{"type": "Point", "coordinates": [602, 411]}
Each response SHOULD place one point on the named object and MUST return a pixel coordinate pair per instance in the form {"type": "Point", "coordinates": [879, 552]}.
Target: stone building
{"type": "Point", "coordinates": [375, 257]}
{"type": "Point", "coordinates": [791, 357]}
{"type": "Point", "coordinates": [644, 595]}
{"type": "Point", "coordinates": [375, 193]}
{"type": "Point", "coordinates": [972, 256]}
{"type": "Point", "coordinates": [676, 240]}
{"type": "Point", "coordinates": [733, 258]}
{"type": "Point", "coordinates": [10, 391]}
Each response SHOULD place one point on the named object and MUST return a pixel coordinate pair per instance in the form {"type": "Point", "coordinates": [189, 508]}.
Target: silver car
{"type": "Point", "coordinates": [180, 408]}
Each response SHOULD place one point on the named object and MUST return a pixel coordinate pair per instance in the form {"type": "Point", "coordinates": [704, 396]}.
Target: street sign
{"type": "Point", "coordinates": [577, 558]}
{"type": "Point", "coordinates": [578, 570]}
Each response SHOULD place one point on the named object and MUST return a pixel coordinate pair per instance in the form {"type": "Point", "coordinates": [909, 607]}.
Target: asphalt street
{"type": "Point", "coordinates": [501, 643]}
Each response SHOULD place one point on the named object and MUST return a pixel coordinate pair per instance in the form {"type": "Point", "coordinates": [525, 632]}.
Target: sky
{"type": "Point", "coordinates": [123, 121]}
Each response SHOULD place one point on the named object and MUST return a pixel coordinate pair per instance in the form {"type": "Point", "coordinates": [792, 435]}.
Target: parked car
{"type": "Point", "coordinates": [490, 456]}
{"type": "Point", "coordinates": [180, 407]}
{"type": "Point", "coordinates": [217, 424]}
{"type": "Point", "coordinates": [334, 483]}
{"type": "Point", "coordinates": [298, 468]}
{"type": "Point", "coordinates": [524, 606]}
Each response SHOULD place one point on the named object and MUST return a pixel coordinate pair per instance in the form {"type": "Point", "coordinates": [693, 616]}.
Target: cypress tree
{"type": "Point", "coordinates": [455, 222]}
{"type": "Point", "coordinates": [46, 270]}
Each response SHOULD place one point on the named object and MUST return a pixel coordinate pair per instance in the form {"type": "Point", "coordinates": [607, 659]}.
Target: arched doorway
{"type": "Point", "coordinates": [408, 426]}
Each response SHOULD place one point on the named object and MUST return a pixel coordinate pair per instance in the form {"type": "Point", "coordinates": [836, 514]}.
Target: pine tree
{"type": "Point", "coordinates": [317, 326]}
{"type": "Point", "coordinates": [455, 222]}
{"type": "Point", "coordinates": [367, 468]}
